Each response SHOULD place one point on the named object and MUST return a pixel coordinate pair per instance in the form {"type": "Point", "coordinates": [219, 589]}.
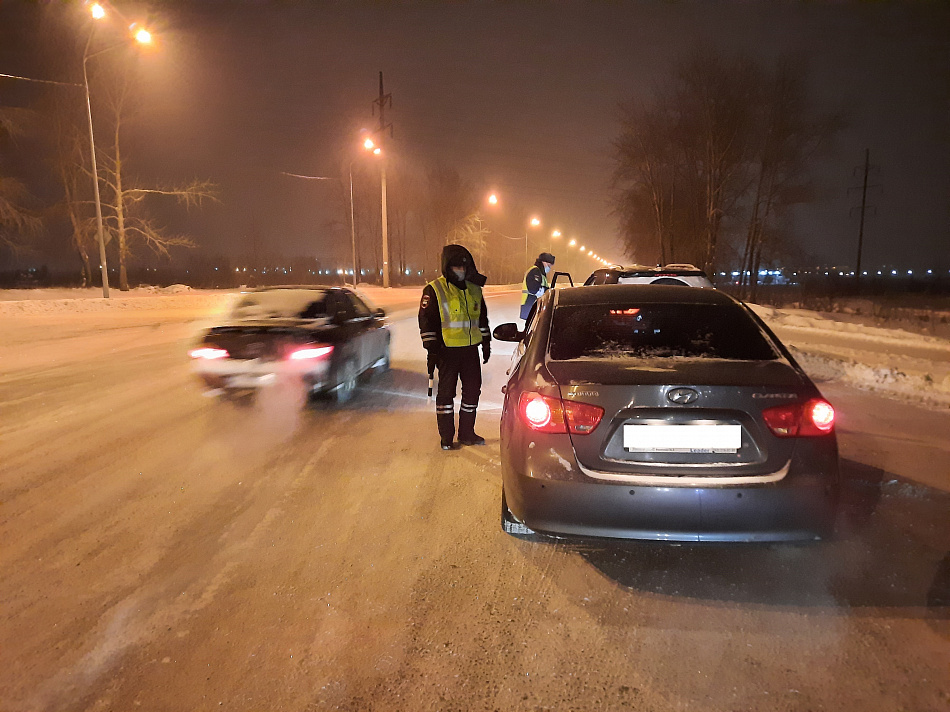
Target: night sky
{"type": "Point", "coordinates": [520, 97]}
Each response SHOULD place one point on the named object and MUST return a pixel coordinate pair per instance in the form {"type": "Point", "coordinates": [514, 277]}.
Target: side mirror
{"type": "Point", "coordinates": [507, 332]}
{"type": "Point", "coordinates": [379, 313]}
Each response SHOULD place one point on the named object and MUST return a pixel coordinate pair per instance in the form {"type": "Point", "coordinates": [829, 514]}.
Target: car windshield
{"type": "Point", "coordinates": [281, 304]}
{"type": "Point", "coordinates": [667, 330]}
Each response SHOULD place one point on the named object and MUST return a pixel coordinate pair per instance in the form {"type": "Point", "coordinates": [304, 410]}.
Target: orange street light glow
{"type": "Point", "coordinates": [98, 12]}
{"type": "Point", "coordinates": [368, 144]}
{"type": "Point", "coordinates": [581, 248]}
{"type": "Point", "coordinates": [535, 222]}
{"type": "Point", "coordinates": [590, 252]}
{"type": "Point", "coordinates": [572, 243]}
{"type": "Point", "coordinates": [141, 35]}
{"type": "Point", "coordinates": [556, 233]}
{"type": "Point", "coordinates": [377, 151]}
{"type": "Point", "coordinates": [493, 199]}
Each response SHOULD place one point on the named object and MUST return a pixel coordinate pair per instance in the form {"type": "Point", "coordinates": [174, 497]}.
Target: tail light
{"type": "Point", "coordinates": [310, 352]}
{"type": "Point", "coordinates": [553, 415]}
{"type": "Point", "coordinates": [815, 417]}
{"type": "Point", "coordinates": [208, 352]}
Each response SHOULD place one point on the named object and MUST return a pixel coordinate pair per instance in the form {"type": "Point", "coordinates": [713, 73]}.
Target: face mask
{"type": "Point", "coordinates": [547, 269]}
{"type": "Point", "coordinates": [459, 273]}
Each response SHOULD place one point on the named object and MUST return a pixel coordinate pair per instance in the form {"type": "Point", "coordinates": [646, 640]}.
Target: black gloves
{"type": "Point", "coordinates": [433, 354]}
{"type": "Point", "coordinates": [486, 350]}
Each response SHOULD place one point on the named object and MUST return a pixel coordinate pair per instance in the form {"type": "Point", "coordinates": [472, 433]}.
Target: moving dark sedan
{"type": "Point", "coordinates": [322, 338]}
{"type": "Point", "coordinates": [662, 412]}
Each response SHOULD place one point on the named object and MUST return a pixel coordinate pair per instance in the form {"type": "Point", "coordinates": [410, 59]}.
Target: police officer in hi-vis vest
{"type": "Point", "coordinates": [535, 282]}
{"type": "Point", "coordinates": [453, 321]}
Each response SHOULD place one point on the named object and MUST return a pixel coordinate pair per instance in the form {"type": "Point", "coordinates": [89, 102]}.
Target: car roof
{"type": "Point", "coordinates": [682, 269]}
{"type": "Point", "coordinates": [625, 293]}
{"type": "Point", "coordinates": [311, 287]}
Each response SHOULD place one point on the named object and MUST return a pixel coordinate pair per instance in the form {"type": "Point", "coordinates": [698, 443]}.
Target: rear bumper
{"type": "Point", "coordinates": [253, 374]}
{"type": "Point", "coordinates": [801, 506]}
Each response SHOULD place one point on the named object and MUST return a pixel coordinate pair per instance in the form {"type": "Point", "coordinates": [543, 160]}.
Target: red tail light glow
{"type": "Point", "coordinates": [553, 415]}
{"type": "Point", "coordinates": [816, 417]}
{"type": "Point", "coordinates": [208, 352]}
{"type": "Point", "coordinates": [311, 352]}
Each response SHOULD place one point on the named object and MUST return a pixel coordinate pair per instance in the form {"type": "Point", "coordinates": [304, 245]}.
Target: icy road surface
{"type": "Point", "coordinates": [163, 551]}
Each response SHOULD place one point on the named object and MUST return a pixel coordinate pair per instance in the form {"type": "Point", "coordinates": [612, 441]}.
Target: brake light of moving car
{"type": "Point", "coordinates": [816, 417]}
{"type": "Point", "coordinates": [208, 352]}
{"type": "Point", "coordinates": [310, 352]}
{"type": "Point", "coordinates": [553, 415]}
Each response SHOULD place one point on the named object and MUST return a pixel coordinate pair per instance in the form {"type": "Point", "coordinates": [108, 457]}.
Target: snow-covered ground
{"type": "Point", "coordinates": [890, 361]}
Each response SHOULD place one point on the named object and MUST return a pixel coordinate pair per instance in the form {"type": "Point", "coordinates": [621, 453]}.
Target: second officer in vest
{"type": "Point", "coordinates": [535, 282]}
{"type": "Point", "coordinates": [453, 321]}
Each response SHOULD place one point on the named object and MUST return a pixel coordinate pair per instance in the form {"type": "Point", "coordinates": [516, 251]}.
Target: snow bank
{"type": "Point", "coordinates": [900, 364]}
{"type": "Point", "coordinates": [891, 361]}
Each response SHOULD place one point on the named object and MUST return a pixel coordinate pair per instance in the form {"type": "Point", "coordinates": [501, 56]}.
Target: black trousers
{"type": "Point", "coordinates": [458, 363]}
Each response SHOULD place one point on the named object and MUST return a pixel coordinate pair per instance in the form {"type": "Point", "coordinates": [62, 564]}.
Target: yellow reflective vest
{"type": "Point", "coordinates": [460, 311]}
{"type": "Point", "coordinates": [529, 298]}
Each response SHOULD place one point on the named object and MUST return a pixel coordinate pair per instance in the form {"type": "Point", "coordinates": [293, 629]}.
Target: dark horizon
{"type": "Point", "coordinates": [521, 99]}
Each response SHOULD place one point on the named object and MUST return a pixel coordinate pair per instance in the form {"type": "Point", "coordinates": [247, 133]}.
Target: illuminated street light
{"type": "Point", "coordinates": [572, 243]}
{"type": "Point", "coordinates": [98, 12]}
{"type": "Point", "coordinates": [535, 222]}
{"type": "Point", "coordinates": [493, 199]}
{"type": "Point", "coordinates": [141, 35]}
{"type": "Point", "coordinates": [368, 144]}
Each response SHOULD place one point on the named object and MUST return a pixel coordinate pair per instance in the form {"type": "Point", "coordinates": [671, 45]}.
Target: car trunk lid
{"type": "Point", "coordinates": [673, 416]}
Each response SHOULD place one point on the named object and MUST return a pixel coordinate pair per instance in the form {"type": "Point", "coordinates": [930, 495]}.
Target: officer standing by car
{"type": "Point", "coordinates": [453, 321]}
{"type": "Point", "coordinates": [535, 282]}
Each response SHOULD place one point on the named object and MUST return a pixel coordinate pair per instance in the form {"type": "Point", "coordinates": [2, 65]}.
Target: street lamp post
{"type": "Point", "coordinates": [385, 222]}
{"type": "Point", "coordinates": [103, 268]}
{"type": "Point", "coordinates": [142, 36]}
{"type": "Point", "coordinates": [370, 145]}
{"type": "Point", "coordinates": [352, 225]}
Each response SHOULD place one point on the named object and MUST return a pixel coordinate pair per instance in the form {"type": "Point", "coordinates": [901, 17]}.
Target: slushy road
{"type": "Point", "coordinates": [161, 550]}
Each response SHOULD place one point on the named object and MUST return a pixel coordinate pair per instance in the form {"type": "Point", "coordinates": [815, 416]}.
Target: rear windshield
{"type": "Point", "coordinates": [720, 331]}
{"type": "Point", "coordinates": [281, 304]}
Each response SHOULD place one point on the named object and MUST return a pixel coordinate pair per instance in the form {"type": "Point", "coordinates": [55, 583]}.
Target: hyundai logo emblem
{"type": "Point", "coordinates": [683, 396]}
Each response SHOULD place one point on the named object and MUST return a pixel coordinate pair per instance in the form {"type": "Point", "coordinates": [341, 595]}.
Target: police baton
{"type": "Point", "coordinates": [430, 363]}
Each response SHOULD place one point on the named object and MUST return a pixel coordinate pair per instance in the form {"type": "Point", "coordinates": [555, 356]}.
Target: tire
{"type": "Point", "coordinates": [346, 389]}
{"type": "Point", "coordinates": [512, 526]}
{"type": "Point", "coordinates": [384, 366]}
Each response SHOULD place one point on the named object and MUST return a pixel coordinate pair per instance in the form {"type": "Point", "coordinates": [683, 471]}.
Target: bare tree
{"type": "Point", "coordinates": [721, 139]}
{"type": "Point", "coordinates": [17, 222]}
{"type": "Point", "coordinates": [449, 202]}
{"type": "Point", "coordinates": [645, 182]}
{"type": "Point", "coordinates": [715, 99]}
{"type": "Point", "coordinates": [127, 217]}
{"type": "Point", "coordinates": [787, 135]}
{"type": "Point", "coordinates": [69, 161]}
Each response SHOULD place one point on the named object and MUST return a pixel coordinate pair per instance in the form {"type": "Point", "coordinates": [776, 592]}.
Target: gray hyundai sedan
{"type": "Point", "coordinates": [663, 413]}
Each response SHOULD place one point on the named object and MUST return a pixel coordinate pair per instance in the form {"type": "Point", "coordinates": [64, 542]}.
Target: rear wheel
{"type": "Point", "coordinates": [383, 364]}
{"type": "Point", "coordinates": [512, 526]}
{"type": "Point", "coordinates": [347, 386]}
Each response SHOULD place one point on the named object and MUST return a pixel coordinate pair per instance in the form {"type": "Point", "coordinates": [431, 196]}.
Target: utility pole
{"type": "Point", "coordinates": [382, 102]}
{"type": "Point", "coordinates": [864, 207]}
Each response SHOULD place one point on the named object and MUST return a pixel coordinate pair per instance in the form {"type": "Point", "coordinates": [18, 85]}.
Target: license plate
{"type": "Point", "coordinates": [682, 438]}
{"type": "Point", "coordinates": [251, 380]}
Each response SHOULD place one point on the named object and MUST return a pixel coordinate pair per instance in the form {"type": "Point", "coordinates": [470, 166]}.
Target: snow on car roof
{"type": "Point", "coordinates": [280, 303]}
